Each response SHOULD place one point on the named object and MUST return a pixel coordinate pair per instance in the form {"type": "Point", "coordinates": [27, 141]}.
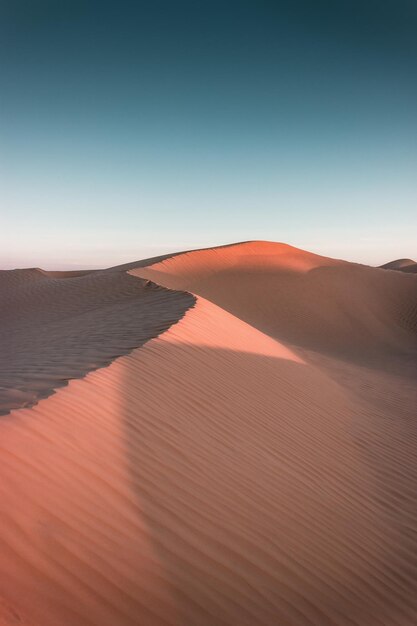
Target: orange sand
{"type": "Point", "coordinates": [252, 465]}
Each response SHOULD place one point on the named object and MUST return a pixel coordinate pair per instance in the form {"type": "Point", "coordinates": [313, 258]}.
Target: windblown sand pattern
{"type": "Point", "coordinates": [58, 326]}
{"type": "Point", "coordinates": [254, 464]}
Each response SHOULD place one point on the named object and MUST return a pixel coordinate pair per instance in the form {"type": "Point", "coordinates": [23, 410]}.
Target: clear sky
{"type": "Point", "coordinates": [128, 129]}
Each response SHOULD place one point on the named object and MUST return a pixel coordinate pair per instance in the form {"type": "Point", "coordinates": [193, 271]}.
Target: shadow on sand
{"type": "Point", "coordinates": [263, 494]}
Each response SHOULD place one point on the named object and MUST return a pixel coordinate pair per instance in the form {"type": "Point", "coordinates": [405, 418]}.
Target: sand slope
{"type": "Point", "coordinates": [60, 325]}
{"type": "Point", "coordinates": [310, 301]}
{"type": "Point", "coordinates": [403, 265]}
{"type": "Point", "coordinates": [253, 464]}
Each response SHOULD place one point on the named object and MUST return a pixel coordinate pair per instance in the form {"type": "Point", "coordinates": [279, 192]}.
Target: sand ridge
{"type": "Point", "coordinates": [59, 325]}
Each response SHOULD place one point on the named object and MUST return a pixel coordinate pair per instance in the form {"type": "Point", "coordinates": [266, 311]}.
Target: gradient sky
{"type": "Point", "coordinates": [128, 129]}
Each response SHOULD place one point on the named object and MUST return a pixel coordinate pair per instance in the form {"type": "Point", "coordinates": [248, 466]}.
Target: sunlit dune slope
{"type": "Point", "coordinates": [210, 477]}
{"type": "Point", "coordinates": [310, 301]}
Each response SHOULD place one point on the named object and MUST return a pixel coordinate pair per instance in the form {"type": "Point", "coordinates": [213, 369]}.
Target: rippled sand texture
{"type": "Point", "coordinates": [58, 326]}
{"type": "Point", "coordinates": [254, 464]}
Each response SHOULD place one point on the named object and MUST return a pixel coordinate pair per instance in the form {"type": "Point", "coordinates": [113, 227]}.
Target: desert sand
{"type": "Point", "coordinates": [403, 265]}
{"type": "Point", "coordinates": [217, 437]}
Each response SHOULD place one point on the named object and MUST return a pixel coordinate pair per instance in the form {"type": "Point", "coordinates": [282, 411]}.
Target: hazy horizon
{"type": "Point", "coordinates": [119, 258]}
{"type": "Point", "coordinates": [132, 129]}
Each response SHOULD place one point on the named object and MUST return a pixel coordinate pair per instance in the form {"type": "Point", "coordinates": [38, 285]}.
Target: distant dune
{"type": "Point", "coordinates": [404, 265]}
{"type": "Point", "coordinates": [236, 445]}
{"type": "Point", "coordinates": [308, 300]}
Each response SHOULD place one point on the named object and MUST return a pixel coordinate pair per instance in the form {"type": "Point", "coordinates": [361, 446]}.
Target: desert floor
{"type": "Point", "coordinates": [218, 437]}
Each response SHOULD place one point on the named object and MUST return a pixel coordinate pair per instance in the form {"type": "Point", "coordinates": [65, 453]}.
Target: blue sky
{"type": "Point", "coordinates": [130, 129]}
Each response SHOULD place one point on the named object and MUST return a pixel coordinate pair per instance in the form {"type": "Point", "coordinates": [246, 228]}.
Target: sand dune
{"type": "Point", "coordinates": [403, 265]}
{"type": "Point", "coordinates": [253, 464]}
{"type": "Point", "coordinates": [59, 325]}
{"type": "Point", "coordinates": [310, 301]}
